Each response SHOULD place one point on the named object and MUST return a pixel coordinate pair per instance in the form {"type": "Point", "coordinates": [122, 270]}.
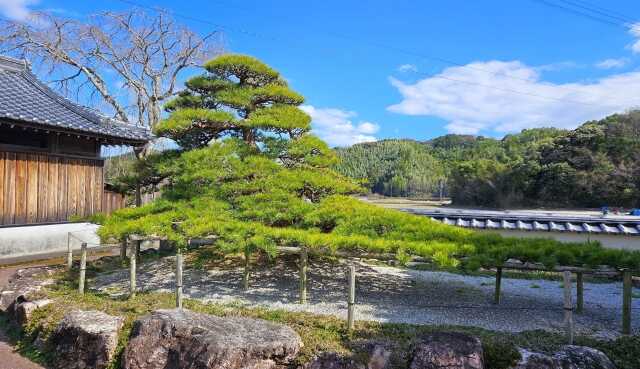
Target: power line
{"type": "Point", "coordinates": [388, 47]}
{"type": "Point", "coordinates": [587, 3]}
{"type": "Point", "coordinates": [589, 11]}
{"type": "Point", "coordinates": [600, 10]}
{"type": "Point", "coordinates": [468, 66]}
{"type": "Point", "coordinates": [195, 19]}
{"type": "Point", "coordinates": [384, 46]}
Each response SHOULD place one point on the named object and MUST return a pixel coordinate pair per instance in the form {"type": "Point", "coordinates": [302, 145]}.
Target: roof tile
{"type": "Point", "coordinates": [23, 97]}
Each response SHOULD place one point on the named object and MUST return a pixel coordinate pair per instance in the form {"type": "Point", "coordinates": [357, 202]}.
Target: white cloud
{"type": "Point", "coordinates": [335, 126]}
{"type": "Point", "coordinates": [407, 68]}
{"type": "Point", "coordinates": [634, 30]}
{"type": "Point", "coordinates": [553, 67]}
{"type": "Point", "coordinates": [612, 63]}
{"type": "Point", "coordinates": [507, 97]}
{"type": "Point", "coordinates": [16, 9]}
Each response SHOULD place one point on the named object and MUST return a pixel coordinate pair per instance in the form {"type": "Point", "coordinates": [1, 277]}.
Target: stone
{"type": "Point", "coordinates": [165, 246]}
{"type": "Point", "coordinates": [332, 360]}
{"type": "Point", "coordinates": [180, 338]}
{"type": "Point", "coordinates": [23, 284]}
{"type": "Point", "coordinates": [536, 360]}
{"type": "Point", "coordinates": [85, 339]}
{"type": "Point", "coordinates": [568, 357]}
{"type": "Point", "coordinates": [24, 310]}
{"type": "Point", "coordinates": [378, 358]}
{"type": "Point", "coordinates": [149, 252]}
{"type": "Point", "coordinates": [40, 342]}
{"type": "Point", "coordinates": [450, 350]}
{"type": "Point", "coordinates": [581, 357]}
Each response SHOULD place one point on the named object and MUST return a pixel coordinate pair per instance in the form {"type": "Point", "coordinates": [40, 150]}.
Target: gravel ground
{"type": "Point", "coordinates": [390, 294]}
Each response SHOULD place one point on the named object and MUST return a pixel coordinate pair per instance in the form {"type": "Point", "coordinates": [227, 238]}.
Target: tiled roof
{"type": "Point", "coordinates": [532, 222]}
{"type": "Point", "coordinates": [23, 98]}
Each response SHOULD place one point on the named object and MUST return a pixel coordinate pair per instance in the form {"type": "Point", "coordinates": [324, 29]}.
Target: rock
{"type": "Point", "coordinates": [535, 360]}
{"type": "Point", "coordinates": [85, 339]}
{"type": "Point", "coordinates": [450, 350]}
{"type": "Point", "coordinates": [149, 252]}
{"type": "Point", "coordinates": [165, 246]}
{"type": "Point", "coordinates": [569, 357]}
{"type": "Point", "coordinates": [40, 342]}
{"type": "Point", "coordinates": [378, 358]}
{"type": "Point", "coordinates": [24, 310]}
{"type": "Point", "coordinates": [580, 357]}
{"type": "Point", "coordinates": [24, 283]}
{"type": "Point", "coordinates": [332, 360]}
{"type": "Point", "coordinates": [180, 338]}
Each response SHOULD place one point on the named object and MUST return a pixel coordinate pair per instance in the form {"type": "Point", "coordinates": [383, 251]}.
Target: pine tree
{"type": "Point", "coordinates": [238, 96]}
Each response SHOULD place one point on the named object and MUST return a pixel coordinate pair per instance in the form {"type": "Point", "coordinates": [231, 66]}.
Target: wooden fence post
{"type": "Point", "coordinates": [69, 252]}
{"type": "Point", "coordinates": [247, 266]}
{"type": "Point", "coordinates": [579, 292]}
{"type": "Point", "coordinates": [498, 285]}
{"type": "Point", "coordinates": [626, 301]}
{"type": "Point", "coordinates": [123, 249]}
{"type": "Point", "coordinates": [351, 303]}
{"type": "Point", "coordinates": [83, 267]}
{"type": "Point", "coordinates": [303, 274]}
{"type": "Point", "coordinates": [132, 269]}
{"type": "Point", "coordinates": [138, 243]}
{"type": "Point", "coordinates": [568, 306]}
{"type": "Point", "coordinates": [179, 278]}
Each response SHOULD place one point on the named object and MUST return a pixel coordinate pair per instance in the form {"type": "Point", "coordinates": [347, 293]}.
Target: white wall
{"type": "Point", "coordinates": [44, 239]}
{"type": "Point", "coordinates": [608, 241]}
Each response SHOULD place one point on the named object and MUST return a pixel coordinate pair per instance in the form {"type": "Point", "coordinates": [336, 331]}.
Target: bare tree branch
{"type": "Point", "coordinates": [132, 60]}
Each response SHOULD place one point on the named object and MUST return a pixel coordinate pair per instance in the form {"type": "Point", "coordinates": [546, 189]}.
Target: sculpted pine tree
{"type": "Point", "coordinates": [251, 176]}
{"type": "Point", "coordinates": [239, 96]}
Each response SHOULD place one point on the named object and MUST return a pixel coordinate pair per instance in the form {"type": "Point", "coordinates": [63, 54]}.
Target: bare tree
{"type": "Point", "coordinates": [132, 61]}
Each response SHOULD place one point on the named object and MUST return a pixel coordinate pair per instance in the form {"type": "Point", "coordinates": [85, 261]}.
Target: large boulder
{"type": "Point", "coordinates": [450, 350]}
{"type": "Point", "coordinates": [85, 339]}
{"type": "Point", "coordinates": [580, 357]}
{"type": "Point", "coordinates": [568, 357]}
{"type": "Point", "coordinates": [180, 338]}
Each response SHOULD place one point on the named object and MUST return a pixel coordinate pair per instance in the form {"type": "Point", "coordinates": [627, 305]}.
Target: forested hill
{"type": "Point", "coordinates": [594, 165]}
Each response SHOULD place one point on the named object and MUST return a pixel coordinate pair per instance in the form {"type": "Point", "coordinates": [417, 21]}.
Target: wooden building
{"type": "Point", "coordinates": [50, 164]}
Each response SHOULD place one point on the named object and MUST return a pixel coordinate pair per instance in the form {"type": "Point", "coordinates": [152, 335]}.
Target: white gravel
{"type": "Point", "coordinates": [389, 294]}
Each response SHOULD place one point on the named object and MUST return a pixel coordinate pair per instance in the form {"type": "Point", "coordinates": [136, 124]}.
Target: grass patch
{"type": "Point", "coordinates": [319, 333]}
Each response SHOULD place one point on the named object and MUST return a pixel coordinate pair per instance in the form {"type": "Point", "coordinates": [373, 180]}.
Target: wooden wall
{"type": "Point", "coordinates": [41, 188]}
{"type": "Point", "coordinates": [112, 201]}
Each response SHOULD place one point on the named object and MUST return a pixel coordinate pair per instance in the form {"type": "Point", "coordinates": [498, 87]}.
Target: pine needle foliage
{"type": "Point", "coordinates": [252, 177]}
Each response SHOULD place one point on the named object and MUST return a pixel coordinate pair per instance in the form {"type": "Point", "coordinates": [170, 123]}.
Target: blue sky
{"type": "Point", "coordinates": [420, 69]}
